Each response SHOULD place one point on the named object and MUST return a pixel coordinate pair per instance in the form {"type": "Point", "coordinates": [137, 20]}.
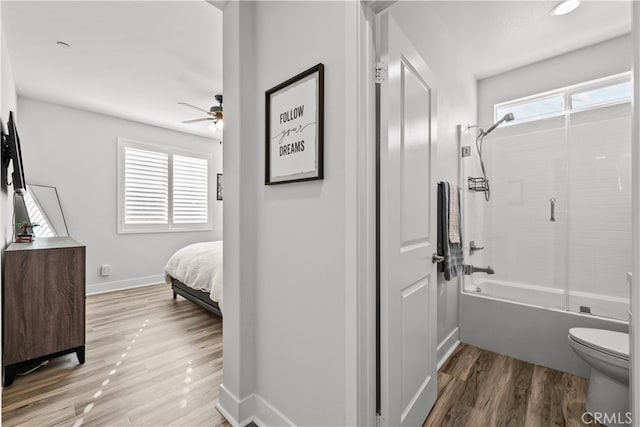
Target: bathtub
{"type": "Point", "coordinates": [493, 317]}
{"type": "Point", "coordinates": [600, 305]}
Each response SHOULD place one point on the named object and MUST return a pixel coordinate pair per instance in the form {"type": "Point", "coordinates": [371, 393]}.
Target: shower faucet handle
{"type": "Point", "coordinates": [473, 248]}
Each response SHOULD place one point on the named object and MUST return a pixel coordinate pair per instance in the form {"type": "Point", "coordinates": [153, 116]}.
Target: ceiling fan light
{"type": "Point", "coordinates": [220, 124]}
{"type": "Point", "coordinates": [565, 7]}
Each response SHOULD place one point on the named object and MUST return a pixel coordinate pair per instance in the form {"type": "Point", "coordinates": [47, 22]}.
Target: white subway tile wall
{"type": "Point", "coordinates": [582, 258]}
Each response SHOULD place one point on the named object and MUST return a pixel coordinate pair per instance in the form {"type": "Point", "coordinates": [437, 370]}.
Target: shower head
{"type": "Point", "coordinates": [507, 118]}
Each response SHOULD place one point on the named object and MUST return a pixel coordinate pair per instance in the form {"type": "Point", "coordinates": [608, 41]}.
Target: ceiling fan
{"type": "Point", "coordinates": [214, 113]}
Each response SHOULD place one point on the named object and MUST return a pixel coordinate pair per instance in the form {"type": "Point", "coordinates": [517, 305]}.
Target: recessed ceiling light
{"type": "Point", "coordinates": [565, 6]}
{"type": "Point", "coordinates": [63, 44]}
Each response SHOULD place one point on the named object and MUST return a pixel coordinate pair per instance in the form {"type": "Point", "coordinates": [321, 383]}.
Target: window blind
{"type": "Point", "coordinates": [190, 190]}
{"type": "Point", "coordinates": [146, 186]}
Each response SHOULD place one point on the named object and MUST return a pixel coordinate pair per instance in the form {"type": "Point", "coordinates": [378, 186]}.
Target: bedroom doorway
{"type": "Point", "coordinates": [85, 76]}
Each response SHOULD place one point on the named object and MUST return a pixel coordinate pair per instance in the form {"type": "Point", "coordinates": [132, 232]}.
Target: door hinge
{"type": "Point", "coordinates": [380, 72]}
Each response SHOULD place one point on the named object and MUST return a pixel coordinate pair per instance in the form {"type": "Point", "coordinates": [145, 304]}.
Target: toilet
{"type": "Point", "coordinates": [607, 352]}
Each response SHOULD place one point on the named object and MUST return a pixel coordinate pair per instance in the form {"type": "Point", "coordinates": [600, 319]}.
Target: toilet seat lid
{"type": "Point", "coordinates": [612, 342]}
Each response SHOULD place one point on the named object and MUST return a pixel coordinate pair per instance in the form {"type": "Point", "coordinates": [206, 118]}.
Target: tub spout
{"type": "Point", "coordinates": [470, 269]}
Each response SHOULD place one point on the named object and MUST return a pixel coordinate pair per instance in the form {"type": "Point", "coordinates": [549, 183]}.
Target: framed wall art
{"type": "Point", "coordinates": [219, 187]}
{"type": "Point", "coordinates": [294, 128]}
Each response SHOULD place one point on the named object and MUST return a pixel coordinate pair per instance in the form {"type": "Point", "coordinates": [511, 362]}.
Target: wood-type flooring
{"type": "Point", "coordinates": [155, 361]}
{"type": "Point", "coordinates": [478, 388]}
{"type": "Point", "coordinates": [150, 361]}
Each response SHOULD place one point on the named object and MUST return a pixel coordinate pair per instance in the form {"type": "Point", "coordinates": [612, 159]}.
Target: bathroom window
{"type": "Point", "coordinates": [532, 109]}
{"type": "Point", "coordinates": [602, 96]}
{"type": "Point", "coordinates": [599, 93]}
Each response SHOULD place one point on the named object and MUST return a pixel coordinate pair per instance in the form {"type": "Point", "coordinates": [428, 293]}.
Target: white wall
{"type": "Point", "coordinates": [456, 102]}
{"type": "Point", "coordinates": [8, 86]}
{"type": "Point", "coordinates": [297, 327]}
{"type": "Point", "coordinates": [600, 60]}
{"type": "Point", "coordinates": [301, 228]}
{"type": "Point", "coordinates": [76, 151]}
{"type": "Point", "coordinates": [7, 103]}
{"type": "Point", "coordinates": [236, 392]}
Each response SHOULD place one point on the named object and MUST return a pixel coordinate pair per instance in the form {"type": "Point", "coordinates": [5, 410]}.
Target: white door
{"type": "Point", "coordinates": [407, 230]}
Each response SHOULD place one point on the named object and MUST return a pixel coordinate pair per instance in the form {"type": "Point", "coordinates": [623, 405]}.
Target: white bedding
{"type": "Point", "coordinates": [198, 266]}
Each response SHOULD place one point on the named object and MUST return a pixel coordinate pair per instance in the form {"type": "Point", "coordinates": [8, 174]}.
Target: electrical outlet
{"type": "Point", "coordinates": [466, 151]}
{"type": "Point", "coordinates": [105, 270]}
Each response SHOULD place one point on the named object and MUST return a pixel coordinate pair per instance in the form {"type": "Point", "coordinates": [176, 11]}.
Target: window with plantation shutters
{"type": "Point", "coordinates": [162, 189]}
{"type": "Point", "coordinates": [146, 187]}
{"type": "Point", "coordinates": [190, 190]}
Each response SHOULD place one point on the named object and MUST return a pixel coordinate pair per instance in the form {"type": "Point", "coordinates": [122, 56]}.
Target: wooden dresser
{"type": "Point", "coordinates": [43, 302]}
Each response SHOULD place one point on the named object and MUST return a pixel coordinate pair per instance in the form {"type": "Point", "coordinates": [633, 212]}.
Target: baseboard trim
{"type": "Point", "coordinates": [118, 285]}
{"type": "Point", "coordinates": [267, 415]}
{"type": "Point", "coordinates": [448, 346]}
{"type": "Point", "coordinates": [227, 416]}
{"type": "Point", "coordinates": [253, 408]}
{"type": "Point", "coordinates": [229, 406]}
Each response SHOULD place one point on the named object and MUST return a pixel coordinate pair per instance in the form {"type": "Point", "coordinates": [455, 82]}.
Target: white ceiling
{"type": "Point", "coordinates": [128, 59]}
{"type": "Point", "coordinates": [496, 36]}
{"type": "Point", "coordinates": [138, 59]}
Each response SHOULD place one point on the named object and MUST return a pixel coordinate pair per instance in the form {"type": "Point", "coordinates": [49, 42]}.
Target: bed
{"type": "Point", "coordinates": [195, 273]}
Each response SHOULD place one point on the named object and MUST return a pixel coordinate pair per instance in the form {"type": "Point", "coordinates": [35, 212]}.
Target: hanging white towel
{"type": "Point", "coordinates": [454, 214]}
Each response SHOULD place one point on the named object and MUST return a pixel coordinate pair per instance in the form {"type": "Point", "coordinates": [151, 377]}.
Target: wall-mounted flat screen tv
{"type": "Point", "coordinates": [12, 152]}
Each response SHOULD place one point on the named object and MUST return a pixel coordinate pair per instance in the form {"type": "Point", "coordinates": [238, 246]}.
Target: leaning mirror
{"type": "Point", "coordinates": [43, 206]}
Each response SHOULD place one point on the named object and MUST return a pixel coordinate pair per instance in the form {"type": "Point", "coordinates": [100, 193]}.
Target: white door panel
{"type": "Point", "coordinates": [407, 229]}
{"type": "Point", "coordinates": [415, 156]}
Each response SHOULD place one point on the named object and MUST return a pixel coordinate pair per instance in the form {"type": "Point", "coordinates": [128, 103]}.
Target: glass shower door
{"type": "Point", "coordinates": [599, 233]}
{"type": "Point", "coordinates": [528, 172]}
{"type": "Point", "coordinates": [527, 169]}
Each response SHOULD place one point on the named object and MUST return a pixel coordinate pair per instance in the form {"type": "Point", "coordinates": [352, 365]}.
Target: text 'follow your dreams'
{"type": "Point", "coordinates": [285, 147]}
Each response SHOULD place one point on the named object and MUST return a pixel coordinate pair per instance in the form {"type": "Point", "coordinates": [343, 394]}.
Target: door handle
{"type": "Point", "coordinates": [435, 258]}
{"type": "Point", "coordinates": [552, 202]}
